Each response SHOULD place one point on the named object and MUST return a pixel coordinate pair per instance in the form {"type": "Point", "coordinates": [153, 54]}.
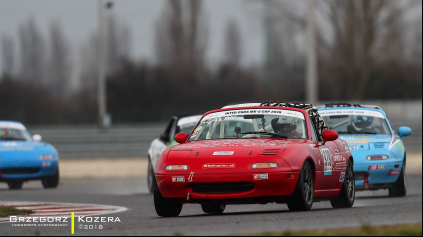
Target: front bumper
{"type": "Point", "coordinates": [369, 178]}
{"type": "Point", "coordinates": [32, 171]}
{"type": "Point", "coordinates": [276, 185]}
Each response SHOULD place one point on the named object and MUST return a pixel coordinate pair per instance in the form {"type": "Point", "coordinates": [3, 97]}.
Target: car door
{"type": "Point", "coordinates": [327, 152]}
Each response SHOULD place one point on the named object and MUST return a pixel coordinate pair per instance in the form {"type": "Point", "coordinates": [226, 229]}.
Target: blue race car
{"type": "Point", "coordinates": [24, 157]}
{"type": "Point", "coordinates": [379, 154]}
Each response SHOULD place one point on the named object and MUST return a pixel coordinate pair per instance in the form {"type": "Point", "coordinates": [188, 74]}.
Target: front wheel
{"type": "Point", "coordinates": [15, 185]}
{"type": "Point", "coordinates": [213, 209]}
{"type": "Point", "coordinates": [302, 199]}
{"type": "Point", "coordinates": [51, 182]}
{"type": "Point", "coordinates": [347, 196]}
{"type": "Point", "coordinates": [400, 187]}
{"type": "Point", "coordinates": [166, 207]}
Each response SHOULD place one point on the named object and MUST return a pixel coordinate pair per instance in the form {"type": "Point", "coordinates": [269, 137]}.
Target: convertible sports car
{"type": "Point", "coordinates": [379, 154]}
{"type": "Point", "coordinates": [178, 123]}
{"type": "Point", "coordinates": [255, 154]}
{"type": "Point", "coordinates": [24, 157]}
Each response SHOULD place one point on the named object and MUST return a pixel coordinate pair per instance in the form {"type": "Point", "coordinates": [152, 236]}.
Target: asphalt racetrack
{"type": "Point", "coordinates": [374, 208]}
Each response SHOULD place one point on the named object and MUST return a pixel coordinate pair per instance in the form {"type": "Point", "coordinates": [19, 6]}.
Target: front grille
{"type": "Point", "coordinates": [360, 175]}
{"type": "Point", "coordinates": [222, 188]}
{"type": "Point", "coordinates": [20, 170]}
{"type": "Point", "coordinates": [270, 152]}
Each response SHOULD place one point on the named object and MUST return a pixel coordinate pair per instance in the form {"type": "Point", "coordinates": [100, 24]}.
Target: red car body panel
{"type": "Point", "coordinates": [275, 183]}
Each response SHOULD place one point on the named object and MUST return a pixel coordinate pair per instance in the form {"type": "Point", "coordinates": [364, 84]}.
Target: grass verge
{"type": "Point", "coordinates": [365, 230]}
{"type": "Point", "coordinates": [11, 211]}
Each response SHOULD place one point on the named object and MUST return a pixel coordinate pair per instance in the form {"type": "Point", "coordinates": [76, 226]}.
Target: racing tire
{"type": "Point", "coordinates": [15, 185]}
{"type": "Point", "coordinates": [166, 207]}
{"type": "Point", "coordinates": [302, 198]}
{"type": "Point", "coordinates": [51, 182]}
{"type": "Point", "coordinates": [346, 198]}
{"type": "Point", "coordinates": [400, 187]}
{"type": "Point", "coordinates": [213, 209]}
{"type": "Point", "coordinates": [151, 179]}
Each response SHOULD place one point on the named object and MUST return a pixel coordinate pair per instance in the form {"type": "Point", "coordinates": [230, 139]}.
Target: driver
{"type": "Point", "coordinates": [285, 129]}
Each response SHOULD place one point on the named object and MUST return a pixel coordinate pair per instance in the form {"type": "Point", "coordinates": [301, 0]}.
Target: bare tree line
{"type": "Point", "coordinates": [366, 50]}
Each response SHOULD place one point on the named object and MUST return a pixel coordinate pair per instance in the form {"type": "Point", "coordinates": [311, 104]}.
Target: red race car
{"type": "Point", "coordinates": [255, 154]}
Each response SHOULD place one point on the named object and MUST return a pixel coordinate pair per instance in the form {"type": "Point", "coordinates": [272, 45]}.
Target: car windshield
{"type": "Point", "coordinates": [251, 123]}
{"type": "Point", "coordinates": [356, 121]}
{"type": "Point", "coordinates": [11, 134]}
{"type": "Point", "coordinates": [187, 124]}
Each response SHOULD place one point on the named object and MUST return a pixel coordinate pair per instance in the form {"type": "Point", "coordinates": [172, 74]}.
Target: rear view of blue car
{"type": "Point", "coordinates": [379, 154]}
{"type": "Point", "coordinates": [24, 157]}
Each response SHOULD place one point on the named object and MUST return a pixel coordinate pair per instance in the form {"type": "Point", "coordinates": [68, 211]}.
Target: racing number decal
{"type": "Point", "coordinates": [327, 157]}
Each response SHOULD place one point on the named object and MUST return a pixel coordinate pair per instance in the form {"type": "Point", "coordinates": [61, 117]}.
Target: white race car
{"type": "Point", "coordinates": [178, 124]}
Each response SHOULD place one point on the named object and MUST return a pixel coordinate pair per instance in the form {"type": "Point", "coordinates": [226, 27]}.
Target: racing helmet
{"type": "Point", "coordinates": [361, 121]}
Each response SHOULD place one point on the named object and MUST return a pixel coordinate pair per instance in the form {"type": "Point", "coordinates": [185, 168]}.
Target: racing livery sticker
{"type": "Point", "coordinates": [194, 134]}
{"type": "Point", "coordinates": [342, 178]}
{"type": "Point", "coordinates": [223, 153]}
{"type": "Point", "coordinates": [261, 176]}
{"type": "Point", "coordinates": [178, 179]}
{"type": "Point", "coordinates": [218, 166]}
{"type": "Point", "coordinates": [327, 157]}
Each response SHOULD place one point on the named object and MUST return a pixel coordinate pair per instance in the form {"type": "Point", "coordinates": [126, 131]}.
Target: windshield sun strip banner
{"type": "Point", "coordinates": [16, 126]}
{"type": "Point", "coordinates": [234, 113]}
{"type": "Point", "coordinates": [354, 112]}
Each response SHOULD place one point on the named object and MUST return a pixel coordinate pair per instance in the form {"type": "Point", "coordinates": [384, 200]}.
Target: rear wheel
{"type": "Point", "coordinates": [214, 209]}
{"type": "Point", "coordinates": [14, 185]}
{"type": "Point", "coordinates": [302, 199]}
{"type": "Point", "coordinates": [166, 207]}
{"type": "Point", "coordinates": [51, 182]}
{"type": "Point", "coordinates": [400, 187]}
{"type": "Point", "coordinates": [347, 196]}
{"type": "Point", "coordinates": [151, 179]}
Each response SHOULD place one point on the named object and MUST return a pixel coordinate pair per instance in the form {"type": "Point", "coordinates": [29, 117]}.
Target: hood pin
{"type": "Point", "coordinates": [197, 153]}
{"type": "Point", "coordinates": [250, 153]}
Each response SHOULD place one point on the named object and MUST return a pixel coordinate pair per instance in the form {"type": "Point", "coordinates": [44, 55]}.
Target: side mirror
{"type": "Point", "coordinates": [181, 138]}
{"type": "Point", "coordinates": [37, 138]}
{"type": "Point", "coordinates": [329, 135]}
{"type": "Point", "coordinates": [404, 131]}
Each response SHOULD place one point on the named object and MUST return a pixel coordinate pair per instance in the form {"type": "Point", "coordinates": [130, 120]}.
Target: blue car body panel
{"type": "Point", "coordinates": [368, 177]}
{"type": "Point", "coordinates": [20, 160]}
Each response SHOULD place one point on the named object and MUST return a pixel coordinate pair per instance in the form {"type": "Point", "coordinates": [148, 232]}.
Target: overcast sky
{"type": "Point", "coordinates": [79, 18]}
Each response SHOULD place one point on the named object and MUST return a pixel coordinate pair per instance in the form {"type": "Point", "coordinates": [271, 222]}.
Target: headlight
{"type": "Point", "coordinates": [176, 167]}
{"type": "Point", "coordinates": [46, 157]}
{"type": "Point", "coordinates": [377, 157]}
{"type": "Point", "coordinates": [264, 165]}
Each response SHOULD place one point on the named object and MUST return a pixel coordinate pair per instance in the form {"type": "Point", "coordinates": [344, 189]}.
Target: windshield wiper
{"type": "Point", "coordinates": [263, 133]}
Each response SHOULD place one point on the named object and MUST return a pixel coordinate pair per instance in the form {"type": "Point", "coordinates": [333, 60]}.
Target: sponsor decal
{"type": "Point", "coordinates": [194, 135]}
{"type": "Point", "coordinates": [342, 177]}
{"type": "Point", "coordinates": [353, 148]}
{"type": "Point", "coordinates": [191, 176]}
{"type": "Point", "coordinates": [223, 153]}
{"type": "Point", "coordinates": [339, 158]}
{"type": "Point", "coordinates": [394, 172]}
{"type": "Point", "coordinates": [178, 179]}
{"type": "Point", "coordinates": [261, 176]}
{"type": "Point", "coordinates": [327, 157]}
{"type": "Point", "coordinates": [218, 166]}
{"type": "Point", "coordinates": [198, 129]}
{"type": "Point", "coordinates": [378, 167]}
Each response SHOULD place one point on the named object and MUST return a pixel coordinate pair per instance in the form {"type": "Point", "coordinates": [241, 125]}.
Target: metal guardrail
{"type": "Point", "coordinates": [124, 141]}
